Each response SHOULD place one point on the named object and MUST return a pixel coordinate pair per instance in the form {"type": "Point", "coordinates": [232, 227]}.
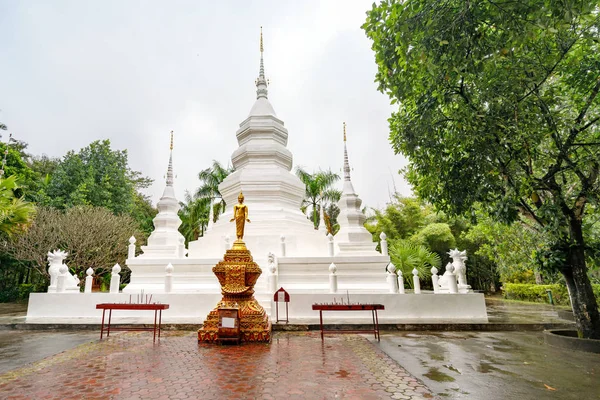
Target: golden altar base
{"type": "Point", "coordinates": [237, 274]}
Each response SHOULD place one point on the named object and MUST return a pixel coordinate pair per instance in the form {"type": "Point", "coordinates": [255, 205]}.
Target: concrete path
{"type": "Point", "coordinates": [495, 365]}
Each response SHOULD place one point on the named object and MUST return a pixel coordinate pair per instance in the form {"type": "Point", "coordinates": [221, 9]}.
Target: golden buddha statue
{"type": "Point", "coordinates": [237, 274]}
{"type": "Point", "coordinates": [240, 215]}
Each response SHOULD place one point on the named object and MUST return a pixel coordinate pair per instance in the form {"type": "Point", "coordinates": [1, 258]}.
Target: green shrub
{"type": "Point", "coordinates": [538, 294]}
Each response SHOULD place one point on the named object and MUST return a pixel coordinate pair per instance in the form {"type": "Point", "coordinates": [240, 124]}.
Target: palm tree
{"type": "Point", "coordinates": [194, 214]}
{"type": "Point", "coordinates": [16, 214]}
{"type": "Point", "coordinates": [211, 178]}
{"type": "Point", "coordinates": [318, 192]}
{"type": "Point", "coordinates": [407, 256]}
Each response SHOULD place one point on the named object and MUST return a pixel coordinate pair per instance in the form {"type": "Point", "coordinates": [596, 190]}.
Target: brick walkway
{"type": "Point", "coordinates": [293, 366]}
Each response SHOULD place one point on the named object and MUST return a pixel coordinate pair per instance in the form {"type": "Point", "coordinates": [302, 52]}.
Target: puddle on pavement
{"type": "Point", "coordinates": [452, 368]}
{"type": "Point", "coordinates": [436, 375]}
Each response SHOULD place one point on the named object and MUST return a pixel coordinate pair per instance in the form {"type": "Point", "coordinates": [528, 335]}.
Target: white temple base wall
{"type": "Point", "coordinates": [192, 308]}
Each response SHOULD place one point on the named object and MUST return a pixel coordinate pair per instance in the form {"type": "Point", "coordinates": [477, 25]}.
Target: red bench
{"type": "Point", "coordinates": [157, 308]}
{"type": "Point", "coordinates": [351, 307]}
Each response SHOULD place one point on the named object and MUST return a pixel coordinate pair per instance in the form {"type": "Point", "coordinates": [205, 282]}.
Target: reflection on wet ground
{"type": "Point", "coordinates": [18, 348]}
{"type": "Point", "coordinates": [495, 365]}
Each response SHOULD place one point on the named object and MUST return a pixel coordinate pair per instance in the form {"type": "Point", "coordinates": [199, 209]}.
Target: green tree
{"type": "Point", "coordinates": [93, 236]}
{"type": "Point", "coordinates": [194, 214]}
{"type": "Point", "coordinates": [406, 256]}
{"type": "Point", "coordinates": [498, 104]}
{"type": "Point", "coordinates": [437, 237]}
{"type": "Point", "coordinates": [319, 192]}
{"type": "Point", "coordinates": [211, 179]}
{"type": "Point", "coordinates": [401, 218]}
{"type": "Point", "coordinates": [99, 176]}
{"type": "Point", "coordinates": [16, 214]}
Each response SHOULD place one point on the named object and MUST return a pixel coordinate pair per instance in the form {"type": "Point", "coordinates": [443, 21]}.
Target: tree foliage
{"type": "Point", "coordinates": [211, 178]}
{"type": "Point", "coordinates": [96, 176]}
{"type": "Point", "coordinates": [498, 105]}
{"type": "Point", "coordinates": [93, 236]}
{"type": "Point", "coordinates": [319, 193]}
{"type": "Point", "coordinates": [16, 214]}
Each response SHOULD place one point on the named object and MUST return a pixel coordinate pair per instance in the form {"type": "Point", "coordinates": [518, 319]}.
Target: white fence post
{"type": "Point", "coordinates": [227, 240]}
{"type": "Point", "coordinates": [435, 279]}
{"type": "Point", "coordinates": [392, 278]}
{"type": "Point", "coordinates": [282, 245]}
{"type": "Point", "coordinates": [131, 252]}
{"type": "Point", "coordinates": [330, 244]}
{"type": "Point", "coordinates": [272, 265]}
{"type": "Point", "coordinates": [61, 281]}
{"type": "Point", "coordinates": [384, 244]}
{"type": "Point", "coordinates": [400, 282]}
{"type": "Point", "coordinates": [452, 285]}
{"type": "Point", "coordinates": [333, 286]}
{"type": "Point", "coordinates": [115, 279]}
{"type": "Point", "coordinates": [416, 281]}
{"type": "Point", "coordinates": [89, 279]}
{"type": "Point", "coordinates": [169, 278]}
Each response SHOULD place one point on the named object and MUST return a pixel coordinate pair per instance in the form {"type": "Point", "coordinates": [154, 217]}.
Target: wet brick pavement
{"type": "Point", "coordinates": [293, 366]}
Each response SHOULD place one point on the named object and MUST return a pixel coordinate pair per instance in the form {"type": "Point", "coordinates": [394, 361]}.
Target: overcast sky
{"type": "Point", "coordinates": [72, 72]}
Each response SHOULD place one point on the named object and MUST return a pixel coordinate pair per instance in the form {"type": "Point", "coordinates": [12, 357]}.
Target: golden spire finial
{"type": "Point", "coordinates": [171, 147]}
{"type": "Point", "coordinates": [261, 41]}
{"type": "Point", "coordinates": [344, 131]}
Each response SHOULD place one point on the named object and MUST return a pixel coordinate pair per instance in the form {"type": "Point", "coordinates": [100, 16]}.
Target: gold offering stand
{"type": "Point", "coordinates": [237, 274]}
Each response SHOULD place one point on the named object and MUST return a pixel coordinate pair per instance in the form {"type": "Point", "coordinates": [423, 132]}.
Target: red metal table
{"type": "Point", "coordinates": [157, 308]}
{"type": "Point", "coordinates": [351, 307]}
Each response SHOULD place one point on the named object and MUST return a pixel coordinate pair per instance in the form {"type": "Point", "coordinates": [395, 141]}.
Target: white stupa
{"type": "Point", "coordinates": [353, 237]}
{"type": "Point", "coordinates": [272, 192]}
{"type": "Point", "coordinates": [166, 241]}
{"type": "Point", "coordinates": [291, 253]}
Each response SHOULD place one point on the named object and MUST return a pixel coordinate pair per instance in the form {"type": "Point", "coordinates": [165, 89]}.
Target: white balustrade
{"type": "Point", "coordinates": [416, 281]}
{"type": "Point", "coordinates": [435, 279]}
{"type": "Point", "coordinates": [392, 278]}
{"type": "Point", "coordinates": [131, 249]}
{"type": "Point", "coordinates": [400, 282]}
{"type": "Point", "coordinates": [169, 278]}
{"type": "Point", "coordinates": [115, 279]}
{"type": "Point", "coordinates": [452, 285]}
{"type": "Point", "coordinates": [61, 281]}
{"type": "Point", "coordinates": [282, 245]}
{"type": "Point", "coordinates": [333, 284]}
{"type": "Point", "coordinates": [272, 266]}
{"type": "Point", "coordinates": [384, 244]}
{"type": "Point", "coordinates": [330, 244]}
{"type": "Point", "coordinates": [89, 279]}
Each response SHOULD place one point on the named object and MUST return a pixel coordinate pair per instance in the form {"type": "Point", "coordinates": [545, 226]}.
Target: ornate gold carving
{"type": "Point", "coordinates": [237, 273]}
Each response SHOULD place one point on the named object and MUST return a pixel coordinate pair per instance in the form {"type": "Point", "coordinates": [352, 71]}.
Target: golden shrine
{"type": "Point", "coordinates": [237, 274]}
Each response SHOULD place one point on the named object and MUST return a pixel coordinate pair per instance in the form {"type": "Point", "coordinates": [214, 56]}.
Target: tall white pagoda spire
{"type": "Point", "coordinates": [166, 240]}
{"type": "Point", "coordinates": [262, 106]}
{"type": "Point", "coordinates": [353, 236]}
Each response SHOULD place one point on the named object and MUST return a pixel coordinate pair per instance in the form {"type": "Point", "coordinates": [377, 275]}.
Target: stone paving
{"type": "Point", "coordinates": [293, 366]}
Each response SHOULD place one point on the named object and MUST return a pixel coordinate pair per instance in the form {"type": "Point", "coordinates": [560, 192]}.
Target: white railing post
{"type": "Point", "coordinates": [416, 281]}
{"type": "Point", "coordinates": [435, 279]}
{"type": "Point", "coordinates": [131, 249]}
{"type": "Point", "coordinates": [169, 278]}
{"type": "Point", "coordinates": [384, 244]}
{"type": "Point", "coordinates": [392, 278]}
{"type": "Point", "coordinates": [89, 279]}
{"type": "Point", "coordinates": [272, 265]}
{"type": "Point", "coordinates": [282, 245]}
{"type": "Point", "coordinates": [227, 240]}
{"type": "Point", "coordinates": [115, 279]}
{"type": "Point", "coordinates": [61, 282]}
{"type": "Point", "coordinates": [452, 285]}
{"type": "Point", "coordinates": [330, 243]}
{"type": "Point", "coordinates": [333, 286]}
{"type": "Point", "coordinates": [400, 282]}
